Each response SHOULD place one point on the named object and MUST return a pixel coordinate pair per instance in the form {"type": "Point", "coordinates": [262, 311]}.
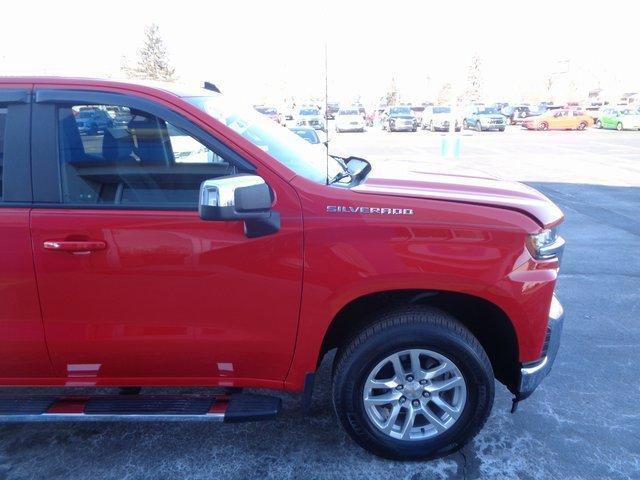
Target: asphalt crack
{"type": "Point", "coordinates": [464, 465]}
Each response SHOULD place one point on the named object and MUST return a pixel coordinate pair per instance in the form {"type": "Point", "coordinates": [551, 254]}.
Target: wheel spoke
{"type": "Point", "coordinates": [397, 366]}
{"type": "Point", "coordinates": [445, 384]}
{"type": "Point", "coordinates": [436, 371]}
{"type": "Point", "coordinates": [387, 383]}
{"type": "Point", "coordinates": [393, 417]}
{"type": "Point", "coordinates": [409, 419]}
{"type": "Point", "coordinates": [433, 419]}
{"type": "Point", "coordinates": [416, 368]}
{"type": "Point", "coordinates": [383, 399]}
{"type": "Point", "coordinates": [453, 411]}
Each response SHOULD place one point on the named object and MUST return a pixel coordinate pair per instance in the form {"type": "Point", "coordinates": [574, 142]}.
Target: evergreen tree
{"type": "Point", "coordinates": [153, 61]}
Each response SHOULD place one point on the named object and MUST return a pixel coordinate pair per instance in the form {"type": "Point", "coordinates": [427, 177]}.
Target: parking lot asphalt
{"type": "Point", "coordinates": [582, 423]}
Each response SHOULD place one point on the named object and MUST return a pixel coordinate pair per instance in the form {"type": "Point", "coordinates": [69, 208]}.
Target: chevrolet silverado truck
{"type": "Point", "coordinates": [196, 243]}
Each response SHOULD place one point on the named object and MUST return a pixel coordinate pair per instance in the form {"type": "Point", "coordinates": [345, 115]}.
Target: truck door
{"type": "Point", "coordinates": [135, 287]}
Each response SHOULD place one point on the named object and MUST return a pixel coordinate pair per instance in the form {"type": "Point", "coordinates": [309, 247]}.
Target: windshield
{"type": "Point", "coordinates": [266, 110]}
{"type": "Point", "coordinates": [349, 112]}
{"type": "Point", "coordinates": [488, 110]}
{"type": "Point", "coordinates": [309, 111]}
{"type": "Point", "coordinates": [400, 111]}
{"type": "Point", "coordinates": [281, 143]}
{"type": "Point", "coordinates": [309, 134]}
{"type": "Point", "coordinates": [441, 109]}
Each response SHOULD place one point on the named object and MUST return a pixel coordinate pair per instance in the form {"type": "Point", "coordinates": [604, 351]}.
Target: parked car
{"type": "Point", "coordinates": [399, 118]}
{"type": "Point", "coordinates": [349, 120]}
{"type": "Point", "coordinates": [542, 108]}
{"type": "Point", "coordinates": [310, 134]}
{"type": "Point", "coordinates": [270, 112]}
{"type": "Point", "coordinates": [485, 118]}
{"type": "Point", "coordinates": [310, 116]}
{"type": "Point", "coordinates": [437, 118]}
{"type": "Point", "coordinates": [620, 118]}
{"type": "Point", "coordinates": [563, 119]}
{"type": "Point", "coordinates": [91, 120]}
{"type": "Point", "coordinates": [124, 267]}
{"type": "Point", "coordinates": [516, 113]}
{"type": "Point", "coordinates": [331, 110]}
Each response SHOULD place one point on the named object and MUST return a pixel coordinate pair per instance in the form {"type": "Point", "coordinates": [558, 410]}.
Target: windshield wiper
{"type": "Point", "coordinates": [339, 177]}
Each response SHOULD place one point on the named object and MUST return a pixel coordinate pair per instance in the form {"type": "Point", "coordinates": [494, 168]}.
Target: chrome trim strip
{"type": "Point", "coordinates": [532, 375]}
{"type": "Point", "coordinates": [83, 417]}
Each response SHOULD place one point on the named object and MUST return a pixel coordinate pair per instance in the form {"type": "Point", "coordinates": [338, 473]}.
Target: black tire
{"type": "Point", "coordinates": [501, 129]}
{"type": "Point", "coordinates": [582, 126]}
{"type": "Point", "coordinates": [412, 327]}
{"type": "Point", "coordinates": [598, 124]}
{"type": "Point", "coordinates": [479, 126]}
{"type": "Point", "coordinates": [544, 126]}
{"type": "Point", "coordinates": [619, 127]}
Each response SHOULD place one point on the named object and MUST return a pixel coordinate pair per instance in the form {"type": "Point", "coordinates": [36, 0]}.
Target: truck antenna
{"type": "Point", "coordinates": [326, 104]}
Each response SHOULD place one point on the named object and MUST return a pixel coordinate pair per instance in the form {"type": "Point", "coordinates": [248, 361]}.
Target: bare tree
{"type": "Point", "coordinates": [473, 91]}
{"type": "Point", "coordinates": [153, 60]}
{"type": "Point", "coordinates": [444, 95]}
{"type": "Point", "coordinates": [392, 97]}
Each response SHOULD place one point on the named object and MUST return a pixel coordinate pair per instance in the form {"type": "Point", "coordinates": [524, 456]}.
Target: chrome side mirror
{"type": "Point", "coordinates": [239, 197]}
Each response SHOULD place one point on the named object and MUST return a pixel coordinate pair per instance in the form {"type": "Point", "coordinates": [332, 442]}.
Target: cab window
{"type": "Point", "coordinates": [112, 154]}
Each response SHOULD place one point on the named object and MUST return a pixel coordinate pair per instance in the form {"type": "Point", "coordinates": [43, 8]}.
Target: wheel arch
{"type": "Point", "coordinates": [486, 321]}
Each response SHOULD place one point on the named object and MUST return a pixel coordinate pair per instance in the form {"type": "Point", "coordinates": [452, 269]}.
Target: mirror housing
{"type": "Point", "coordinates": [241, 198]}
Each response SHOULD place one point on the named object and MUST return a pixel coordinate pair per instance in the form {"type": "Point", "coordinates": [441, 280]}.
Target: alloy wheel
{"type": "Point", "coordinates": [414, 394]}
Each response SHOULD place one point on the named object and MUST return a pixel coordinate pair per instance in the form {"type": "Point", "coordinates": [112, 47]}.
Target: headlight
{"type": "Point", "coordinates": [546, 244]}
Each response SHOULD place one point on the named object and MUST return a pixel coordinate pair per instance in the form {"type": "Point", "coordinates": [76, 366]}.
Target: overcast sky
{"type": "Point", "coordinates": [258, 48]}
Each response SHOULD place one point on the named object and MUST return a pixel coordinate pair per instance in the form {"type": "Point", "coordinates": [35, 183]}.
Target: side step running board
{"type": "Point", "coordinates": [213, 408]}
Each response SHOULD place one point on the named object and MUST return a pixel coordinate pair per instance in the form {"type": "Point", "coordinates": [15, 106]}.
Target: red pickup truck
{"type": "Point", "coordinates": [184, 241]}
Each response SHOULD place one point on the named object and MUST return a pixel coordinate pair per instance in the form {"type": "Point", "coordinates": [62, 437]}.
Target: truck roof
{"type": "Point", "coordinates": [177, 89]}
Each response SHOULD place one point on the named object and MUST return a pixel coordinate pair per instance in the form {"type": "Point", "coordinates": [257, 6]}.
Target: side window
{"type": "Point", "coordinates": [3, 122]}
{"type": "Point", "coordinates": [111, 154]}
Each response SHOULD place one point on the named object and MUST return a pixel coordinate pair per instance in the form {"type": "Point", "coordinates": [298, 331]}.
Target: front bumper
{"type": "Point", "coordinates": [405, 127]}
{"type": "Point", "coordinates": [350, 127]}
{"type": "Point", "coordinates": [444, 125]}
{"type": "Point", "coordinates": [532, 374]}
{"type": "Point", "coordinates": [493, 126]}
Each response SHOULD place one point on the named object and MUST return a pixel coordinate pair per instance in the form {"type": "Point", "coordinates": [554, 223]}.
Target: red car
{"type": "Point", "coordinates": [195, 243]}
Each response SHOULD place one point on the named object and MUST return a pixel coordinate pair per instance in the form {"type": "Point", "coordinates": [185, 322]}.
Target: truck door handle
{"type": "Point", "coordinates": [78, 247]}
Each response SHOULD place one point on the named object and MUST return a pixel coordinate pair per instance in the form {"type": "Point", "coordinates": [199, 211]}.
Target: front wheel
{"type": "Point", "coordinates": [620, 127]}
{"type": "Point", "coordinates": [415, 384]}
{"type": "Point", "coordinates": [582, 126]}
{"type": "Point", "coordinates": [543, 126]}
{"type": "Point", "coordinates": [598, 124]}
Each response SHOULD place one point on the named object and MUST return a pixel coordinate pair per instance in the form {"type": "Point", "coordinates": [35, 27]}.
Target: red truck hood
{"type": "Point", "coordinates": [473, 189]}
